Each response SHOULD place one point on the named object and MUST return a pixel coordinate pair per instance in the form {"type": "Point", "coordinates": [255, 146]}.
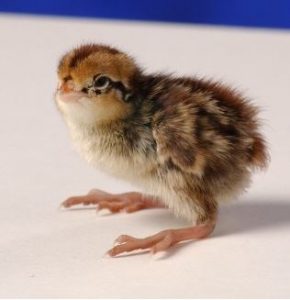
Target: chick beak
{"type": "Point", "coordinates": [67, 92]}
{"type": "Point", "coordinates": [65, 87]}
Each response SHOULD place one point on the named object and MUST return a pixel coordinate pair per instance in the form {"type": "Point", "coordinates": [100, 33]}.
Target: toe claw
{"type": "Point", "coordinates": [123, 239]}
{"type": "Point", "coordinates": [93, 191]}
{"type": "Point", "coordinates": [104, 212]}
{"type": "Point", "coordinates": [111, 252]}
{"type": "Point", "coordinates": [118, 242]}
{"type": "Point", "coordinates": [64, 204]}
{"type": "Point", "coordinates": [159, 255]}
{"type": "Point", "coordinates": [107, 255]}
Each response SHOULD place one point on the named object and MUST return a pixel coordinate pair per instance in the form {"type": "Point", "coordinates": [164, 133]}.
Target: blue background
{"type": "Point", "coordinates": [255, 13]}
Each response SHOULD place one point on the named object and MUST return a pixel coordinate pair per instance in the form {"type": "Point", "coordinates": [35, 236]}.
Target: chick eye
{"type": "Point", "coordinates": [102, 82]}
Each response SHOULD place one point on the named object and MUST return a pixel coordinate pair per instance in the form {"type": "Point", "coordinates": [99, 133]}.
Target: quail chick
{"type": "Point", "coordinates": [189, 143]}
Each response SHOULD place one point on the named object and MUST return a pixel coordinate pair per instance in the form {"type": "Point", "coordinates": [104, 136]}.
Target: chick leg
{"type": "Point", "coordinates": [163, 240]}
{"type": "Point", "coordinates": [130, 202]}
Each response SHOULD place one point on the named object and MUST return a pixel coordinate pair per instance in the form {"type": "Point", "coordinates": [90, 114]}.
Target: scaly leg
{"type": "Point", "coordinates": [161, 241]}
{"type": "Point", "coordinates": [130, 202]}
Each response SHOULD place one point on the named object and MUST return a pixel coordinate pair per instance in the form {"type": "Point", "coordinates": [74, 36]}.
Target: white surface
{"type": "Point", "coordinates": [46, 252]}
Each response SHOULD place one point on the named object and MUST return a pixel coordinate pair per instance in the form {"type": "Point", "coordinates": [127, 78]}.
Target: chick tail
{"type": "Point", "coordinates": [259, 155]}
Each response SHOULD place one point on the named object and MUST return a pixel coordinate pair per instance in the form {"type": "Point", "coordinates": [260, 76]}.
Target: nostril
{"type": "Point", "coordinates": [67, 78]}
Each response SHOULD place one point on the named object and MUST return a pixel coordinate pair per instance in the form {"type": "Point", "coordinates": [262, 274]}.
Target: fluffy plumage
{"type": "Point", "coordinates": [187, 141]}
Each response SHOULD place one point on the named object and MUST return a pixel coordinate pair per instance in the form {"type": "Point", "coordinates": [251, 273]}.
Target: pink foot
{"type": "Point", "coordinates": [129, 202]}
{"type": "Point", "coordinates": [161, 241]}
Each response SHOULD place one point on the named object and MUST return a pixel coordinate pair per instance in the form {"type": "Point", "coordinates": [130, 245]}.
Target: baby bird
{"type": "Point", "coordinates": [189, 143]}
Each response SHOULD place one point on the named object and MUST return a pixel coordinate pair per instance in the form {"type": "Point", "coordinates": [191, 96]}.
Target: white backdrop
{"type": "Point", "coordinates": [47, 252]}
